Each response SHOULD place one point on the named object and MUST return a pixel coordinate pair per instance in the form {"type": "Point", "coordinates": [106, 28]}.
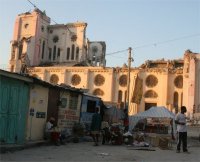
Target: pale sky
{"type": "Point", "coordinates": [155, 29]}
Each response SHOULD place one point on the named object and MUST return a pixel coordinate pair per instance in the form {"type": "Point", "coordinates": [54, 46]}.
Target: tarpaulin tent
{"type": "Point", "coordinates": [153, 112]}
{"type": "Point", "coordinates": [113, 115]}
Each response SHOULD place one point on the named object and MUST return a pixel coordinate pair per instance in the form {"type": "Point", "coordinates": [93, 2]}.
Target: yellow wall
{"type": "Point", "coordinates": [111, 85]}
{"type": "Point", "coordinates": [38, 102]}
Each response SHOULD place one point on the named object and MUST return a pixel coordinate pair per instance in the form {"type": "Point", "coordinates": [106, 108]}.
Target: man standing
{"type": "Point", "coordinates": [126, 121]}
{"type": "Point", "coordinates": [180, 120]}
{"type": "Point", "coordinates": [96, 126]}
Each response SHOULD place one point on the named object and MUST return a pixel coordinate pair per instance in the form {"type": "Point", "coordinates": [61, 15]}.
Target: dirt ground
{"type": "Point", "coordinates": [85, 151]}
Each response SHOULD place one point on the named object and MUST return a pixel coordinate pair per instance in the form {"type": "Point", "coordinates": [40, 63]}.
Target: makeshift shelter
{"type": "Point", "coordinates": [113, 115]}
{"type": "Point", "coordinates": [154, 112]}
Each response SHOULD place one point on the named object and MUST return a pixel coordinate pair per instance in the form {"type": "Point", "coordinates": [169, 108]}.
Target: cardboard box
{"type": "Point", "coordinates": [163, 143]}
{"type": "Point", "coordinates": [154, 141]}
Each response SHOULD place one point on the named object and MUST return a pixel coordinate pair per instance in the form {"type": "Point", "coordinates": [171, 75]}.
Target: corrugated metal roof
{"type": "Point", "coordinates": [31, 79]}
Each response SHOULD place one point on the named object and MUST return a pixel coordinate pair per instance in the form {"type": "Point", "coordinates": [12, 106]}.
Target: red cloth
{"type": "Point", "coordinates": [55, 136]}
{"type": "Point", "coordinates": [126, 122]}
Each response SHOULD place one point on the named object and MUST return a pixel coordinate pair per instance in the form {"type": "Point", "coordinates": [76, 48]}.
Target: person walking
{"type": "Point", "coordinates": [105, 132]}
{"type": "Point", "coordinates": [96, 126]}
{"type": "Point", "coordinates": [180, 120]}
{"type": "Point", "coordinates": [126, 121]}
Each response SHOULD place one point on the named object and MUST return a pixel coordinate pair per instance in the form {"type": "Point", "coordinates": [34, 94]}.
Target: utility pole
{"type": "Point", "coordinates": [130, 59]}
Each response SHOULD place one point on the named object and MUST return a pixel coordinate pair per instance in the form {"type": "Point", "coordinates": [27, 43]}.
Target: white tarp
{"type": "Point", "coordinates": [153, 112]}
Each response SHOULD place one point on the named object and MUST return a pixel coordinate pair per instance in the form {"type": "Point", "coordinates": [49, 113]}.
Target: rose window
{"type": "Point", "coordinates": [54, 79]}
{"type": "Point", "coordinates": [99, 80]}
{"type": "Point", "coordinates": [151, 81]}
{"type": "Point", "coordinates": [55, 39]}
{"type": "Point", "coordinates": [74, 38]}
{"type": "Point", "coordinates": [76, 79]}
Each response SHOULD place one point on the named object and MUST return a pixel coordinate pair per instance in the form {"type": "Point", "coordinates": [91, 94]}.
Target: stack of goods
{"type": "Point", "coordinates": [116, 134]}
{"type": "Point", "coordinates": [163, 143]}
{"type": "Point", "coordinates": [128, 138]}
{"type": "Point", "coordinates": [154, 140]}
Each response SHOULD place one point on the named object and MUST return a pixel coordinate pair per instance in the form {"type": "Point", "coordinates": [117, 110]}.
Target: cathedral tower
{"type": "Point", "coordinates": [29, 40]}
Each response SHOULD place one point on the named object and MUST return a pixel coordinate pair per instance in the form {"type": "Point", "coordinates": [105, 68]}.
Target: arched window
{"type": "Point", "coordinates": [125, 96]}
{"type": "Point", "coordinates": [98, 92]}
{"type": "Point", "coordinates": [123, 80]}
{"type": "Point", "coordinates": [43, 47]}
{"type": "Point", "coordinates": [176, 101]}
{"type": "Point", "coordinates": [178, 81]}
{"type": "Point", "coordinates": [58, 55]}
{"type": "Point", "coordinates": [54, 52]}
{"type": "Point", "coordinates": [54, 79]}
{"type": "Point", "coordinates": [181, 99]}
{"type": "Point", "coordinates": [50, 53]}
{"type": "Point", "coordinates": [77, 53]}
{"type": "Point", "coordinates": [68, 53]}
{"type": "Point", "coordinates": [119, 96]}
{"type": "Point", "coordinates": [20, 51]}
{"type": "Point", "coordinates": [73, 48]}
{"type": "Point", "coordinates": [150, 94]}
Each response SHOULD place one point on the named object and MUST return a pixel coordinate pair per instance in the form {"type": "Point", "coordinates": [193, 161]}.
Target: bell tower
{"type": "Point", "coordinates": [28, 45]}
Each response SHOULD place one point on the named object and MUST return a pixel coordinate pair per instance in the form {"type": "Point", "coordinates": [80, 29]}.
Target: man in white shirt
{"type": "Point", "coordinates": [180, 120]}
{"type": "Point", "coordinates": [48, 128]}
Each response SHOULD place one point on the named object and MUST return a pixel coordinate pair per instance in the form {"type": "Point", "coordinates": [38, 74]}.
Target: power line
{"type": "Point", "coordinates": [117, 57]}
{"type": "Point", "coordinates": [157, 43]}
{"type": "Point", "coordinates": [39, 9]}
{"type": "Point", "coordinates": [167, 41]}
{"type": "Point", "coordinates": [51, 18]}
{"type": "Point", "coordinates": [32, 4]}
{"type": "Point", "coordinates": [54, 21]}
{"type": "Point", "coordinates": [142, 46]}
{"type": "Point", "coordinates": [116, 52]}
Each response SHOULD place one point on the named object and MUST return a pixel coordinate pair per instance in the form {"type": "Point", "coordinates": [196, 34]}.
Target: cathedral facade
{"type": "Point", "coordinates": [61, 54]}
{"type": "Point", "coordinates": [37, 43]}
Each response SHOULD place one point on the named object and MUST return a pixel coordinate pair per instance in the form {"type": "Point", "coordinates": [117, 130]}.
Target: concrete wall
{"type": "Point", "coordinates": [39, 103]}
{"type": "Point", "coordinates": [66, 115]}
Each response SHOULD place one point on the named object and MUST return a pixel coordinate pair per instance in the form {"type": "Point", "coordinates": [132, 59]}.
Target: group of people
{"type": "Point", "coordinates": [97, 125]}
{"type": "Point", "coordinates": [180, 121]}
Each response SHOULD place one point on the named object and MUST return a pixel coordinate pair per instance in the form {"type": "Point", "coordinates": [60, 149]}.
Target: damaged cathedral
{"type": "Point", "coordinates": [61, 54]}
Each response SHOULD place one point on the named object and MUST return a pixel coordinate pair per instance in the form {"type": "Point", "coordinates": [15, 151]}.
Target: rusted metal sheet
{"type": "Point", "coordinates": [52, 110]}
